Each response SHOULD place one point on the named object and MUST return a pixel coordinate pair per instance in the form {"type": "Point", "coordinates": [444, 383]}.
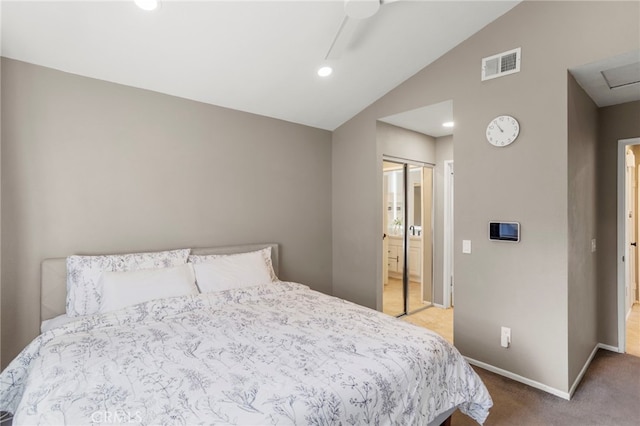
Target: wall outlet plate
{"type": "Point", "coordinates": [505, 337]}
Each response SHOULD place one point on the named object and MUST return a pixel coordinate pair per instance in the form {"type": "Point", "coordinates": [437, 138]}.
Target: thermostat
{"type": "Point", "coordinates": [504, 231]}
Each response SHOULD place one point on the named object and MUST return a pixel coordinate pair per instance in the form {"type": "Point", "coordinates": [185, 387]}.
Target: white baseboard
{"type": "Point", "coordinates": [542, 386]}
{"type": "Point", "coordinates": [518, 378]}
{"type": "Point", "coordinates": [437, 305]}
{"type": "Point", "coordinates": [610, 348]}
{"type": "Point", "coordinates": [576, 382]}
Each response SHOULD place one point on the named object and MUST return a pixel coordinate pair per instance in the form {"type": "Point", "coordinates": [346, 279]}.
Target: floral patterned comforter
{"type": "Point", "coordinates": [272, 354]}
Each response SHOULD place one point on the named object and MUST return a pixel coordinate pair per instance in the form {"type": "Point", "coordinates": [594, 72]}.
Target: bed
{"type": "Point", "coordinates": [257, 353]}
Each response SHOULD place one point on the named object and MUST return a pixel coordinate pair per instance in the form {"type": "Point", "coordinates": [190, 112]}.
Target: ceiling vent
{"type": "Point", "coordinates": [501, 64]}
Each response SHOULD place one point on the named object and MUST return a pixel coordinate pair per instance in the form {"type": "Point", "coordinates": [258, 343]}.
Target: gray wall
{"type": "Point", "coordinates": [614, 123]}
{"type": "Point", "coordinates": [403, 143]}
{"type": "Point", "coordinates": [94, 167]}
{"type": "Point", "coordinates": [583, 289]}
{"type": "Point", "coordinates": [444, 152]}
{"type": "Point", "coordinates": [1, 364]}
{"type": "Point", "coordinates": [523, 286]}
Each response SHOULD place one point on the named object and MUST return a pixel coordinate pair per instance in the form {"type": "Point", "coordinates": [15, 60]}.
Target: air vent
{"type": "Point", "coordinates": [501, 64]}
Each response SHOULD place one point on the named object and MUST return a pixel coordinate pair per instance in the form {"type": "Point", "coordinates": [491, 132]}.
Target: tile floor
{"type": "Point", "coordinates": [392, 302]}
{"type": "Point", "coordinates": [633, 331]}
{"type": "Point", "coordinates": [436, 319]}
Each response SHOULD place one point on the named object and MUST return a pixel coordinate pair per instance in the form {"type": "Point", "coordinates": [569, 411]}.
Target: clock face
{"type": "Point", "coordinates": [502, 130]}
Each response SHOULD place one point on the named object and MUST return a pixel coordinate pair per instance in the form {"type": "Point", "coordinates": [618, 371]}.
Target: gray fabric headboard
{"type": "Point", "coordinates": [53, 284]}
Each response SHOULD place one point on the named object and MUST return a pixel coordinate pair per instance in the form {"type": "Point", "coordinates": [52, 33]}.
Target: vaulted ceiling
{"type": "Point", "coordinates": [254, 56]}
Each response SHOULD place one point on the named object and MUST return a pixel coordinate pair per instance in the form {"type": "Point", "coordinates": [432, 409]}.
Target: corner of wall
{"type": "Point", "coordinates": [1, 188]}
{"type": "Point", "coordinates": [582, 297]}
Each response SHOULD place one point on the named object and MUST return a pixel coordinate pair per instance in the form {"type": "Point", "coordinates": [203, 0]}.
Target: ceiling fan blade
{"type": "Point", "coordinates": [355, 12]}
{"type": "Point", "coordinates": [342, 38]}
{"type": "Point", "coordinates": [361, 9]}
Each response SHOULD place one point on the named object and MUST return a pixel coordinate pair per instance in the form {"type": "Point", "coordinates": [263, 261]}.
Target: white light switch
{"type": "Point", "coordinates": [466, 246]}
{"type": "Point", "coordinates": [593, 245]}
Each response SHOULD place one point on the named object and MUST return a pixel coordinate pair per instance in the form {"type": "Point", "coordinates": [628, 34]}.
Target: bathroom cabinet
{"type": "Point", "coordinates": [396, 259]}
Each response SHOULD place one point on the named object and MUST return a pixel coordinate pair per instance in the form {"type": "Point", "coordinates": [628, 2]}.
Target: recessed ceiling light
{"type": "Point", "coordinates": [325, 71]}
{"type": "Point", "coordinates": [447, 124]}
{"type": "Point", "coordinates": [147, 4]}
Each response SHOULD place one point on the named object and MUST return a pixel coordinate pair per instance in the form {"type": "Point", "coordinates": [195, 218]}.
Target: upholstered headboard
{"type": "Point", "coordinates": [53, 284]}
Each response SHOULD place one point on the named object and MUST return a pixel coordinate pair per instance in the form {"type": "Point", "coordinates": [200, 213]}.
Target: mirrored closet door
{"type": "Point", "coordinates": [407, 237]}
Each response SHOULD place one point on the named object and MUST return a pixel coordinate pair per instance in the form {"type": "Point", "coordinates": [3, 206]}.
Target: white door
{"type": "Point", "coordinates": [624, 287]}
{"type": "Point", "coordinates": [630, 237]}
{"type": "Point", "coordinates": [635, 289]}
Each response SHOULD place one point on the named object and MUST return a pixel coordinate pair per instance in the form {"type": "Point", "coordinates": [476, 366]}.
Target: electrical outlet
{"type": "Point", "coordinates": [505, 337]}
{"type": "Point", "coordinates": [593, 245]}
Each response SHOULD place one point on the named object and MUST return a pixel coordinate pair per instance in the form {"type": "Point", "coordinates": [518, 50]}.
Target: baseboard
{"type": "Point", "coordinates": [610, 348]}
{"type": "Point", "coordinates": [576, 382]}
{"type": "Point", "coordinates": [542, 386]}
{"type": "Point", "coordinates": [437, 305]}
{"type": "Point", "coordinates": [518, 378]}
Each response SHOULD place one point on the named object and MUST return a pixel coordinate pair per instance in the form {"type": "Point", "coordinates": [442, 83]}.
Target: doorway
{"type": "Point", "coordinates": [628, 282]}
{"type": "Point", "coordinates": [407, 234]}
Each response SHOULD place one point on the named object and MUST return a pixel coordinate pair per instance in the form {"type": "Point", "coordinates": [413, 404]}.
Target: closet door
{"type": "Point", "coordinates": [394, 206]}
{"type": "Point", "coordinates": [419, 237]}
{"type": "Point", "coordinates": [407, 237]}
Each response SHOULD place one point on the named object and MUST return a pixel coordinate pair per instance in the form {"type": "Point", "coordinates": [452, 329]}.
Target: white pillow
{"type": "Point", "coordinates": [121, 289]}
{"type": "Point", "coordinates": [224, 272]}
{"type": "Point", "coordinates": [84, 291]}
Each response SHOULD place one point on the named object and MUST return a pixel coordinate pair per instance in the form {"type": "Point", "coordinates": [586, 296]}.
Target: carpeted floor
{"type": "Point", "coordinates": [609, 395]}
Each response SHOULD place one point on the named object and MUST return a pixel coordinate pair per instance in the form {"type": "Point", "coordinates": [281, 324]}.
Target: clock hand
{"type": "Point", "coordinates": [499, 127]}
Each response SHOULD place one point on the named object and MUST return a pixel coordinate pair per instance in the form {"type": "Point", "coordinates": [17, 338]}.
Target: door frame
{"type": "Point", "coordinates": [631, 254]}
{"type": "Point", "coordinates": [621, 225]}
{"type": "Point", "coordinates": [448, 241]}
{"type": "Point", "coordinates": [636, 207]}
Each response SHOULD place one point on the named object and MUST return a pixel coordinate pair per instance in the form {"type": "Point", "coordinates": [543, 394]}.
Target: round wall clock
{"type": "Point", "coordinates": [502, 130]}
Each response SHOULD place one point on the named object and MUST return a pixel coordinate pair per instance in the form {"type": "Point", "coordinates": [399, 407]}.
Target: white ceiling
{"type": "Point", "coordinates": [590, 78]}
{"type": "Point", "coordinates": [253, 56]}
{"type": "Point", "coordinates": [427, 120]}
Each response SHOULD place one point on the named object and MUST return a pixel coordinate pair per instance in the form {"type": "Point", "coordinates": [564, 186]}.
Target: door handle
{"type": "Point", "coordinates": [634, 244]}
